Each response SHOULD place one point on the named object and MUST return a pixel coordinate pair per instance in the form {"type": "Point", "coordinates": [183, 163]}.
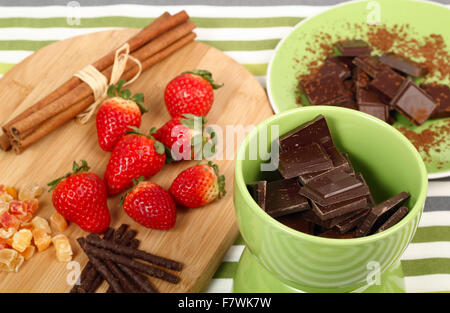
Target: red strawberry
{"type": "Point", "coordinates": [116, 114]}
{"type": "Point", "coordinates": [80, 196]}
{"type": "Point", "coordinates": [135, 155]}
{"type": "Point", "coordinates": [150, 205]}
{"type": "Point", "coordinates": [198, 185]}
{"type": "Point", "coordinates": [191, 92]}
{"type": "Point", "coordinates": [183, 138]}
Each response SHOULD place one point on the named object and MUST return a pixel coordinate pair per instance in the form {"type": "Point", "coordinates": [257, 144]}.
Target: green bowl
{"type": "Point", "coordinates": [390, 164]}
{"type": "Point", "coordinates": [292, 54]}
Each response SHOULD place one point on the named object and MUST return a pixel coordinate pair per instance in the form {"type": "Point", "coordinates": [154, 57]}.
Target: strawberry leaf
{"type": "Point", "coordinates": [205, 75]}
{"type": "Point", "coordinates": [159, 147]}
{"type": "Point", "coordinates": [111, 92]}
{"type": "Point", "coordinates": [76, 169]}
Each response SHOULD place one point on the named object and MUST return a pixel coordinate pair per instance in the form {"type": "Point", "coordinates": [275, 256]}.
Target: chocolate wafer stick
{"type": "Point", "coordinates": [133, 253]}
{"type": "Point", "coordinates": [101, 267]}
{"type": "Point", "coordinates": [104, 254]}
{"type": "Point", "coordinates": [89, 274]}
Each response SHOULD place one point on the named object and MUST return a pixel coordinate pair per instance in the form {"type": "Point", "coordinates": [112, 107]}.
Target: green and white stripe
{"type": "Point", "coordinates": [248, 34]}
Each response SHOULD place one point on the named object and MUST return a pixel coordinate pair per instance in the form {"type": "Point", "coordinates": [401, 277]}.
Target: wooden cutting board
{"type": "Point", "coordinates": [201, 236]}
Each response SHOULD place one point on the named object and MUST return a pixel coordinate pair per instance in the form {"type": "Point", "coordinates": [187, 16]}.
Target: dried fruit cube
{"type": "Point", "coordinates": [10, 260]}
{"type": "Point", "coordinates": [27, 225]}
{"type": "Point", "coordinates": [4, 196]}
{"type": "Point", "coordinates": [12, 192]}
{"type": "Point", "coordinates": [9, 221]}
{"type": "Point", "coordinates": [39, 222]}
{"type": "Point", "coordinates": [63, 248]}
{"type": "Point", "coordinates": [18, 208]}
{"type": "Point", "coordinates": [58, 222]}
{"type": "Point", "coordinates": [7, 233]}
{"type": "Point", "coordinates": [4, 246]}
{"type": "Point", "coordinates": [6, 241]}
{"type": "Point", "coordinates": [31, 205]}
{"type": "Point", "coordinates": [29, 252]}
{"type": "Point", "coordinates": [22, 239]}
{"type": "Point", "coordinates": [4, 206]}
{"type": "Point", "coordinates": [30, 192]}
{"type": "Point", "coordinates": [42, 240]}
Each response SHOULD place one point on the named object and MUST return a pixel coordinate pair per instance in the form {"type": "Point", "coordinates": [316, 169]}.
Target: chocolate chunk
{"type": "Point", "coordinates": [394, 219]}
{"type": "Point", "coordinates": [314, 131]}
{"type": "Point", "coordinates": [360, 78]}
{"type": "Point", "coordinates": [339, 161]}
{"type": "Point", "coordinates": [324, 89]}
{"type": "Point", "coordinates": [413, 102]}
{"type": "Point", "coordinates": [297, 222]}
{"type": "Point", "coordinates": [283, 198]}
{"type": "Point", "coordinates": [380, 111]}
{"type": "Point", "coordinates": [330, 67]}
{"type": "Point", "coordinates": [370, 200]}
{"type": "Point", "coordinates": [379, 214]}
{"type": "Point", "coordinates": [351, 222]}
{"type": "Point", "coordinates": [367, 97]}
{"type": "Point", "coordinates": [370, 65]}
{"type": "Point", "coordinates": [403, 64]}
{"type": "Point", "coordinates": [387, 82]}
{"type": "Point", "coordinates": [353, 48]}
{"type": "Point", "coordinates": [347, 61]}
{"type": "Point", "coordinates": [441, 97]}
{"type": "Point", "coordinates": [334, 187]}
{"type": "Point", "coordinates": [303, 160]}
{"type": "Point", "coordinates": [311, 216]}
{"type": "Point", "coordinates": [335, 234]}
{"type": "Point", "coordinates": [258, 191]}
{"type": "Point", "coordinates": [338, 209]}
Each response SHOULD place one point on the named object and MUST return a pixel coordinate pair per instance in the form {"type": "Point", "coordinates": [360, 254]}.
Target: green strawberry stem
{"type": "Point", "coordinates": [135, 183]}
{"type": "Point", "coordinates": [76, 169]}
{"type": "Point", "coordinates": [116, 91]}
{"type": "Point", "coordinates": [159, 147]}
{"type": "Point", "coordinates": [220, 179]}
{"type": "Point", "coordinates": [205, 75]}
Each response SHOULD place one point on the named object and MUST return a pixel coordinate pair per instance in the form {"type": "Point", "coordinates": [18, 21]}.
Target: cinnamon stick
{"type": "Point", "coordinates": [154, 29]}
{"type": "Point", "coordinates": [83, 90]}
{"type": "Point", "coordinates": [54, 122]}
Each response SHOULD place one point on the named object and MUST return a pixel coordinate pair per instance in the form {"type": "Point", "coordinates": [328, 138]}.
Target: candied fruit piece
{"type": "Point", "coordinates": [42, 240]}
{"type": "Point", "coordinates": [18, 209]}
{"type": "Point", "coordinates": [58, 222]}
{"type": "Point", "coordinates": [22, 239]}
{"type": "Point", "coordinates": [31, 205]}
{"type": "Point", "coordinates": [10, 260]}
{"type": "Point", "coordinates": [27, 225]}
{"type": "Point", "coordinates": [30, 192]}
{"type": "Point", "coordinates": [4, 206]}
{"type": "Point", "coordinates": [29, 252]}
{"type": "Point", "coordinates": [4, 196]}
{"type": "Point", "coordinates": [7, 220]}
{"type": "Point", "coordinates": [63, 248]}
{"type": "Point", "coordinates": [39, 222]}
{"type": "Point", "coordinates": [7, 233]}
{"type": "Point", "coordinates": [4, 246]}
{"type": "Point", "coordinates": [12, 192]}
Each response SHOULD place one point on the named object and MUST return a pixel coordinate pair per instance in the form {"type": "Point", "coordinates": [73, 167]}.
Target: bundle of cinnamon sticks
{"type": "Point", "coordinates": [164, 36]}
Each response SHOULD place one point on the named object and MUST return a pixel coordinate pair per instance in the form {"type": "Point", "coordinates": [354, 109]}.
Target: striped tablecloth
{"type": "Point", "coordinates": [249, 34]}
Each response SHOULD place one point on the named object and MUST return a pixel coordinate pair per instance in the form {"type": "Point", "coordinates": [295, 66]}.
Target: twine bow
{"type": "Point", "coordinates": [99, 83]}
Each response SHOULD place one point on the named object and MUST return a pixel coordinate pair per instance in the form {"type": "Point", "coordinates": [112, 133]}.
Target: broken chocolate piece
{"type": "Point", "coordinates": [338, 68]}
{"type": "Point", "coordinates": [335, 234]}
{"type": "Point", "coordinates": [441, 97]}
{"type": "Point", "coordinates": [379, 214]}
{"type": "Point", "coordinates": [413, 102]}
{"type": "Point", "coordinates": [403, 64]}
{"type": "Point", "coordinates": [338, 209]}
{"type": "Point", "coordinates": [303, 160]}
{"type": "Point", "coordinates": [394, 219]}
{"type": "Point", "coordinates": [370, 65]}
{"type": "Point", "coordinates": [387, 82]}
{"type": "Point", "coordinates": [283, 198]}
{"type": "Point", "coordinates": [353, 48]}
{"type": "Point", "coordinates": [381, 111]}
{"type": "Point", "coordinates": [297, 222]}
{"type": "Point", "coordinates": [351, 222]}
{"type": "Point", "coordinates": [347, 61]}
{"type": "Point", "coordinates": [324, 89]}
{"type": "Point", "coordinates": [258, 191]}
{"type": "Point", "coordinates": [360, 78]}
{"type": "Point", "coordinates": [367, 97]}
{"type": "Point", "coordinates": [314, 131]}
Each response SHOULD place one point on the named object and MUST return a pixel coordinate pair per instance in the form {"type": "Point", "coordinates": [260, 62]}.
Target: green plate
{"type": "Point", "coordinates": [294, 52]}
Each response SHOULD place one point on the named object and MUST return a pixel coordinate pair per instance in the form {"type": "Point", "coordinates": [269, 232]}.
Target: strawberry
{"type": "Point", "coordinates": [135, 155]}
{"type": "Point", "coordinates": [198, 185]}
{"type": "Point", "coordinates": [150, 205]}
{"type": "Point", "coordinates": [116, 113]}
{"type": "Point", "coordinates": [183, 138]}
{"type": "Point", "coordinates": [190, 92]}
{"type": "Point", "coordinates": [80, 196]}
